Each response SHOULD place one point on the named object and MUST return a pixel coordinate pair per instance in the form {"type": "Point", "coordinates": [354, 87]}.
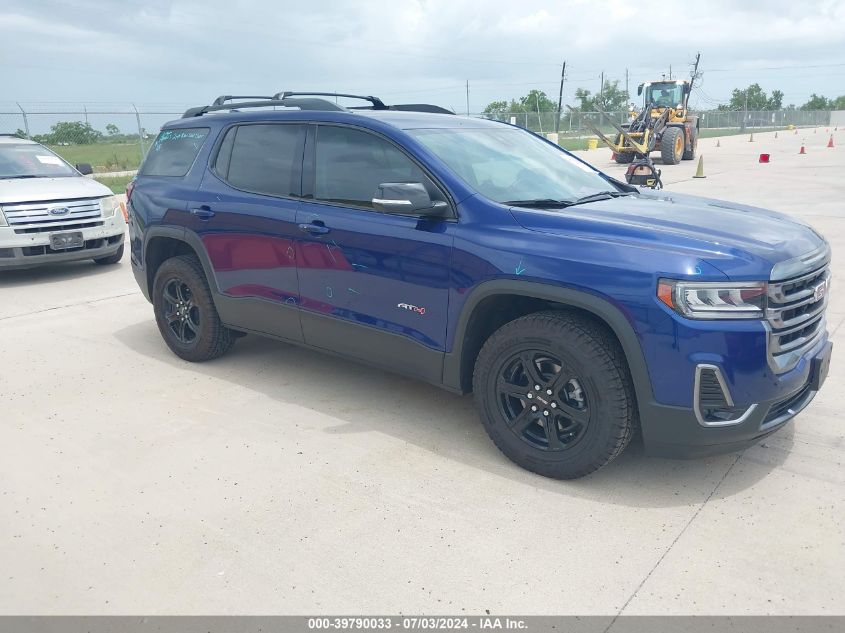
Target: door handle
{"type": "Point", "coordinates": [203, 213]}
{"type": "Point", "coordinates": [314, 228]}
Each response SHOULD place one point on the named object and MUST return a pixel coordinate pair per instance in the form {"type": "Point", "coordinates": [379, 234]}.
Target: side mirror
{"type": "Point", "coordinates": [407, 198]}
{"type": "Point", "coordinates": [84, 168]}
{"type": "Point", "coordinates": [639, 89]}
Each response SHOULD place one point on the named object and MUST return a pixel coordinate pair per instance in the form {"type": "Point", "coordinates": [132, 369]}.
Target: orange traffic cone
{"type": "Point", "coordinates": [830, 142]}
{"type": "Point", "coordinates": [802, 150]}
{"type": "Point", "coordinates": [718, 143]}
{"type": "Point", "coordinates": [699, 173]}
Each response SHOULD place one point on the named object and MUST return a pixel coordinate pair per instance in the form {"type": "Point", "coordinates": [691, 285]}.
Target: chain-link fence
{"type": "Point", "coordinates": [572, 122]}
{"type": "Point", "coordinates": [111, 139]}
{"type": "Point", "coordinates": [114, 139]}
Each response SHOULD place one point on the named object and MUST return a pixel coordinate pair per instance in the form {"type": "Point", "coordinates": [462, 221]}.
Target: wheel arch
{"type": "Point", "coordinates": [164, 242]}
{"type": "Point", "coordinates": [494, 303]}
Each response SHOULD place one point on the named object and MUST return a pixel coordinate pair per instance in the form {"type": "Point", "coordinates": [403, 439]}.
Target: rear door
{"type": "Point", "coordinates": [244, 213]}
{"type": "Point", "coordinates": [373, 285]}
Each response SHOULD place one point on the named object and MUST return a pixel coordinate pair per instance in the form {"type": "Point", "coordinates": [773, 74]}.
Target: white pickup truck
{"type": "Point", "coordinates": [50, 212]}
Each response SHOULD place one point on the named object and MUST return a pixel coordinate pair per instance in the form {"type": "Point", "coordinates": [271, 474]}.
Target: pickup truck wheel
{"type": "Point", "coordinates": [110, 259]}
{"type": "Point", "coordinates": [185, 312]}
{"type": "Point", "coordinates": [554, 394]}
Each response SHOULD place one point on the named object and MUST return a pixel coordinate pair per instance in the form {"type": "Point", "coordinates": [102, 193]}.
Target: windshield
{"type": "Point", "coordinates": [509, 164]}
{"type": "Point", "coordinates": [25, 160]}
{"type": "Point", "coordinates": [665, 95]}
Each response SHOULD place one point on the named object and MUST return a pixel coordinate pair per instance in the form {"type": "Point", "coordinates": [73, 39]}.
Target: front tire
{"type": "Point", "coordinates": [554, 394]}
{"type": "Point", "coordinates": [110, 259]}
{"type": "Point", "coordinates": [672, 145]}
{"type": "Point", "coordinates": [185, 312]}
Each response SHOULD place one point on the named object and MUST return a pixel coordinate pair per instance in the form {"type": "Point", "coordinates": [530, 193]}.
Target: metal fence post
{"type": "Point", "coordinates": [140, 133]}
{"type": "Point", "coordinates": [25, 121]}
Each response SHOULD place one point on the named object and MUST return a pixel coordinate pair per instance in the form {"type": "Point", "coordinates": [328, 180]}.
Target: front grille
{"type": "Point", "coordinates": [51, 228]}
{"type": "Point", "coordinates": [38, 214]}
{"type": "Point", "coordinates": [796, 316]}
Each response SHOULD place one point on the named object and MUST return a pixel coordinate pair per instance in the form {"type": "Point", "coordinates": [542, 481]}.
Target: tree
{"type": "Point", "coordinates": [112, 129]}
{"type": "Point", "coordinates": [71, 132]}
{"type": "Point", "coordinates": [817, 102]}
{"type": "Point", "coordinates": [20, 133]}
{"type": "Point", "coordinates": [838, 103]}
{"type": "Point", "coordinates": [611, 99]}
{"type": "Point", "coordinates": [757, 99]}
{"type": "Point", "coordinates": [537, 100]}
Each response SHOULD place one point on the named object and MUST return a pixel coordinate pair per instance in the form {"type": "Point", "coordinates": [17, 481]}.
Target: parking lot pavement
{"type": "Point", "coordinates": [279, 480]}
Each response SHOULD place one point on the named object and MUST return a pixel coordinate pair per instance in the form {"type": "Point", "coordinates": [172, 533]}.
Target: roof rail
{"type": "Point", "coordinates": [224, 98]}
{"type": "Point", "coordinates": [378, 104]}
{"type": "Point", "coordinates": [302, 104]}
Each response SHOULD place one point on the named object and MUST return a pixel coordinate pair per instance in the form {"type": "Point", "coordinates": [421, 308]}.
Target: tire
{"type": "Point", "coordinates": [672, 145]}
{"type": "Point", "coordinates": [185, 312]}
{"type": "Point", "coordinates": [689, 153]}
{"type": "Point", "coordinates": [111, 259]}
{"type": "Point", "coordinates": [592, 405]}
{"type": "Point", "coordinates": [625, 157]}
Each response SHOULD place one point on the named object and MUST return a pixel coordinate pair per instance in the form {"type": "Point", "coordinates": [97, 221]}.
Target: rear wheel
{"type": "Point", "coordinates": [689, 152]}
{"type": "Point", "coordinates": [554, 394]}
{"type": "Point", "coordinates": [185, 312]}
{"type": "Point", "coordinates": [672, 145]}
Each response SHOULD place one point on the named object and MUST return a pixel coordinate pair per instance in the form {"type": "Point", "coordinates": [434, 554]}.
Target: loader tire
{"type": "Point", "coordinates": [672, 145]}
{"type": "Point", "coordinates": [689, 153]}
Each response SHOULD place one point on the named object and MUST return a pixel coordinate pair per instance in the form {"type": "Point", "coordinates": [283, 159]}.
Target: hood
{"type": "Point", "coordinates": [739, 240]}
{"type": "Point", "coordinates": [22, 190]}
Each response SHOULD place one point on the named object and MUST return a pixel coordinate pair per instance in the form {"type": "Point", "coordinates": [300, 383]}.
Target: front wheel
{"type": "Point", "coordinates": [110, 259]}
{"type": "Point", "coordinates": [185, 312]}
{"type": "Point", "coordinates": [672, 145]}
{"type": "Point", "coordinates": [554, 394]}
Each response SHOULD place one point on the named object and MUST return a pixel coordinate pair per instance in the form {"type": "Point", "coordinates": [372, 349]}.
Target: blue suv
{"type": "Point", "coordinates": [482, 258]}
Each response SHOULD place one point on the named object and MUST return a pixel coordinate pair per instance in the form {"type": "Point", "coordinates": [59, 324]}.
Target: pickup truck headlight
{"type": "Point", "coordinates": [714, 300]}
{"type": "Point", "coordinates": [109, 205]}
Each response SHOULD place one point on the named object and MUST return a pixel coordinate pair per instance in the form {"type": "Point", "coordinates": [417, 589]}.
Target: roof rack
{"type": "Point", "coordinates": [305, 101]}
{"type": "Point", "coordinates": [378, 104]}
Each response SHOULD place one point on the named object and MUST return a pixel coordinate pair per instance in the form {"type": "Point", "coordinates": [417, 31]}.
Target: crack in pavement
{"type": "Point", "coordinates": [68, 305]}
{"type": "Point", "coordinates": [674, 541]}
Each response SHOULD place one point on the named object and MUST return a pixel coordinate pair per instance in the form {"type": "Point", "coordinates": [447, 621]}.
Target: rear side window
{"type": "Point", "coordinates": [173, 152]}
{"type": "Point", "coordinates": [262, 158]}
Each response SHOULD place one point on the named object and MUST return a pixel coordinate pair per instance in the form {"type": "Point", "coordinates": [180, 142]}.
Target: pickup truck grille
{"type": "Point", "coordinates": [38, 214]}
{"type": "Point", "coordinates": [796, 316]}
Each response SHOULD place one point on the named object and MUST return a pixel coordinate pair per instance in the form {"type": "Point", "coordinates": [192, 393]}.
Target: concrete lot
{"type": "Point", "coordinates": [277, 480]}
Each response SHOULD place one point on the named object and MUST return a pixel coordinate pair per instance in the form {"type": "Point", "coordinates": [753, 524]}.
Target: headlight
{"type": "Point", "coordinates": [109, 205]}
{"type": "Point", "coordinates": [714, 300]}
{"type": "Point", "coordinates": [2, 218]}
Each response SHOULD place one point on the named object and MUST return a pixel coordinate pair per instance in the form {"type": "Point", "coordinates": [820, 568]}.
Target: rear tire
{"type": "Point", "coordinates": [689, 153]}
{"type": "Point", "coordinates": [185, 312]}
{"type": "Point", "coordinates": [110, 259]}
{"type": "Point", "coordinates": [578, 381]}
{"type": "Point", "coordinates": [672, 145]}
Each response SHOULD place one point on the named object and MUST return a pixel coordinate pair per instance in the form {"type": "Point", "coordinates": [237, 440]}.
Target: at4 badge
{"type": "Point", "coordinates": [408, 306]}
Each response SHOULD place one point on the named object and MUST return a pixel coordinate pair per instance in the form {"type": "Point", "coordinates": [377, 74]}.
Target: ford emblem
{"type": "Point", "coordinates": [59, 211]}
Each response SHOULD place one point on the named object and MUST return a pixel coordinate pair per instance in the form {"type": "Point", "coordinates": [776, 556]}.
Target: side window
{"type": "Point", "coordinates": [351, 164]}
{"type": "Point", "coordinates": [173, 152]}
{"type": "Point", "coordinates": [263, 158]}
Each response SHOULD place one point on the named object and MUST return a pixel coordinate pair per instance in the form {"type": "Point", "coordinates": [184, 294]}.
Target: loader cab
{"type": "Point", "coordinates": [665, 94]}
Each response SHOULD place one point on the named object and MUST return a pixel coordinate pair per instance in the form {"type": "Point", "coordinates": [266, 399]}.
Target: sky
{"type": "Point", "coordinates": [174, 54]}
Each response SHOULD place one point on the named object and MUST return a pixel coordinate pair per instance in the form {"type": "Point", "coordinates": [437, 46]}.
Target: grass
{"type": "Point", "coordinates": [103, 157]}
{"type": "Point", "coordinates": [116, 183]}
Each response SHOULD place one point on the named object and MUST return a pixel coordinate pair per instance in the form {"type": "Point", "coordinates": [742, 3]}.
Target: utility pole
{"type": "Point", "coordinates": [467, 97]}
{"type": "Point", "coordinates": [560, 98]}
{"type": "Point", "coordinates": [745, 111]}
{"type": "Point", "coordinates": [670, 72]}
{"type": "Point", "coordinates": [601, 90]}
{"type": "Point", "coordinates": [627, 93]}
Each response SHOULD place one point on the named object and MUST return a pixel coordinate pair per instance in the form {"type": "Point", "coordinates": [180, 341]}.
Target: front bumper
{"type": "Point", "coordinates": [670, 431]}
{"type": "Point", "coordinates": [28, 250]}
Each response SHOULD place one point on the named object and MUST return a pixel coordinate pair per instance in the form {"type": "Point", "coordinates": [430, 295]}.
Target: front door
{"type": "Point", "coordinates": [245, 214]}
{"type": "Point", "coordinates": [372, 285]}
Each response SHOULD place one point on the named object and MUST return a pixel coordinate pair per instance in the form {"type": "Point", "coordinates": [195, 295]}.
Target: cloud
{"type": "Point", "coordinates": [186, 52]}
